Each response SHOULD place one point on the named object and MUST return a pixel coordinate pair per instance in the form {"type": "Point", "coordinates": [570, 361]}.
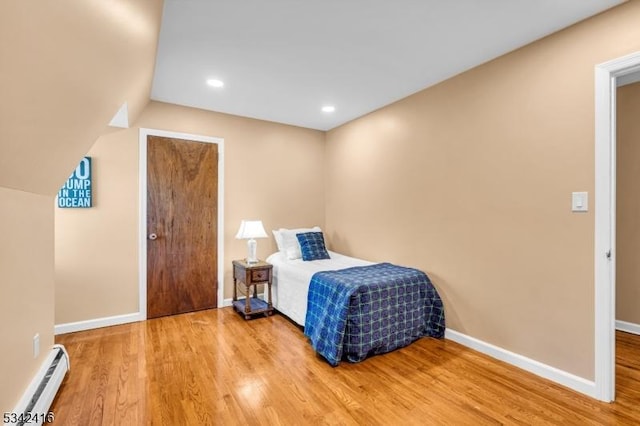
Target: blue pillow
{"type": "Point", "coordinates": [312, 246]}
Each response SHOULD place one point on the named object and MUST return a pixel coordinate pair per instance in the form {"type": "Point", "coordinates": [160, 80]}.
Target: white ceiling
{"type": "Point", "coordinates": [282, 60]}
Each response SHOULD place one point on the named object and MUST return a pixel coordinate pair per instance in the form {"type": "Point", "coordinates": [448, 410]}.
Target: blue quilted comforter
{"type": "Point", "coordinates": [365, 310]}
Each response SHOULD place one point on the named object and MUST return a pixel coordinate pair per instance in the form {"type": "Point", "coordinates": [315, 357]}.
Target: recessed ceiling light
{"type": "Point", "coordinates": [328, 108]}
{"type": "Point", "coordinates": [215, 83]}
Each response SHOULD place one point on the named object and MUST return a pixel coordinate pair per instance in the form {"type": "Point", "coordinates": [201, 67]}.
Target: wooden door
{"type": "Point", "coordinates": [182, 224]}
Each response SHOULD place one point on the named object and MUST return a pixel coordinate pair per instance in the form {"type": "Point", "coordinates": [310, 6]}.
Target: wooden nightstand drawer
{"type": "Point", "coordinates": [260, 275]}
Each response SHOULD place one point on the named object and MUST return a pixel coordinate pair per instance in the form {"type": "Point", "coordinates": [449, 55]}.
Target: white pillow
{"type": "Point", "coordinates": [277, 235]}
{"type": "Point", "coordinates": [290, 244]}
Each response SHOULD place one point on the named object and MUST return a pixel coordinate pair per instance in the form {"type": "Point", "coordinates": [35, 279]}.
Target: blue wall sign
{"type": "Point", "coordinates": [76, 192]}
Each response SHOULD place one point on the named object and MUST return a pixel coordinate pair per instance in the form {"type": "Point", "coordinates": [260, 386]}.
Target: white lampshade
{"type": "Point", "coordinates": [250, 229]}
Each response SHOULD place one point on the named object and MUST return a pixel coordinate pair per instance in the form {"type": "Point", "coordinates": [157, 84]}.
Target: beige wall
{"type": "Point", "coordinates": [273, 172]}
{"type": "Point", "coordinates": [471, 181]}
{"type": "Point", "coordinates": [628, 205]}
{"type": "Point", "coordinates": [66, 67]}
{"type": "Point", "coordinates": [26, 288]}
{"type": "Point", "coordinates": [90, 281]}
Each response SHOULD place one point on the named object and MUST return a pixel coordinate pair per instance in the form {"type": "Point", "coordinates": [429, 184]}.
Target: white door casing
{"type": "Point", "coordinates": [606, 76]}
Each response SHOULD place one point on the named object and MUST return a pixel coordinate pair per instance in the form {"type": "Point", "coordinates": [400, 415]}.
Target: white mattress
{"type": "Point", "coordinates": [291, 280]}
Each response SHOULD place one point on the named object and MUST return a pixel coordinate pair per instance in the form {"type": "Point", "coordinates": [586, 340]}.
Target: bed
{"type": "Point", "coordinates": [352, 308]}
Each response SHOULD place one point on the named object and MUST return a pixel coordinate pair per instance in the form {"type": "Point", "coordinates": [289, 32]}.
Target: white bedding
{"type": "Point", "coordinates": [291, 280]}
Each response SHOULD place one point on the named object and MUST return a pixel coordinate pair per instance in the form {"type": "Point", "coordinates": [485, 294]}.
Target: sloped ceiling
{"type": "Point", "coordinates": [66, 68]}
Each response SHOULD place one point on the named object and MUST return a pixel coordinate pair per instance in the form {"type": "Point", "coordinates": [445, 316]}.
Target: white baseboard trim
{"type": "Point", "coordinates": [556, 375]}
{"type": "Point", "coordinates": [71, 327]}
{"type": "Point", "coordinates": [628, 327]}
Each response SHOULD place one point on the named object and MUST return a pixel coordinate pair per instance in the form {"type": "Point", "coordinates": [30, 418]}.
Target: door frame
{"type": "Point", "coordinates": [142, 236]}
{"type": "Point", "coordinates": [606, 76]}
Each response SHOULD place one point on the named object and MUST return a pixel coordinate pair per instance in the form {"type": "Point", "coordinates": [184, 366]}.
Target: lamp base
{"type": "Point", "coordinates": [252, 246]}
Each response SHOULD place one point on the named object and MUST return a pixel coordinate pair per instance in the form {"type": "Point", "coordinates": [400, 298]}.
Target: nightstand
{"type": "Point", "coordinates": [251, 275]}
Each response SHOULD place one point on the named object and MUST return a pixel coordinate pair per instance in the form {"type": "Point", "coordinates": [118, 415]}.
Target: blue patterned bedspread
{"type": "Point", "coordinates": [365, 310]}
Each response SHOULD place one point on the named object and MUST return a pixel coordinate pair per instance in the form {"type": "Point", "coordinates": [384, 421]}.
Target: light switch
{"type": "Point", "coordinates": [580, 201]}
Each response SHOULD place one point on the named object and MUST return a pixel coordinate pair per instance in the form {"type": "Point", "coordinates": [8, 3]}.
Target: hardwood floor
{"type": "Point", "coordinates": [213, 367]}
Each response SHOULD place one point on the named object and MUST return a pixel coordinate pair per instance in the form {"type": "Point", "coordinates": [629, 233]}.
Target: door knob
{"type": "Point", "coordinates": [153, 236]}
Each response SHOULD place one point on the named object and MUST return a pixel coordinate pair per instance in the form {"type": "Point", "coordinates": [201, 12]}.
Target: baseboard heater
{"type": "Point", "coordinates": [34, 406]}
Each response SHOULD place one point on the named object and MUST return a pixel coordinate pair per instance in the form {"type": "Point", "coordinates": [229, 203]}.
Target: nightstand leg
{"type": "Point", "coordinates": [235, 289]}
{"type": "Point", "coordinates": [269, 304]}
{"type": "Point", "coordinates": [247, 304]}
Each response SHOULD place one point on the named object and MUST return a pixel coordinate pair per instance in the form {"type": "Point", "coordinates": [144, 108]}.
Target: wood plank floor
{"type": "Point", "coordinates": [213, 367]}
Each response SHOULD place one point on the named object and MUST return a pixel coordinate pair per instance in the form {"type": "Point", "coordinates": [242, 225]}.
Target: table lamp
{"type": "Point", "coordinates": [250, 230]}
